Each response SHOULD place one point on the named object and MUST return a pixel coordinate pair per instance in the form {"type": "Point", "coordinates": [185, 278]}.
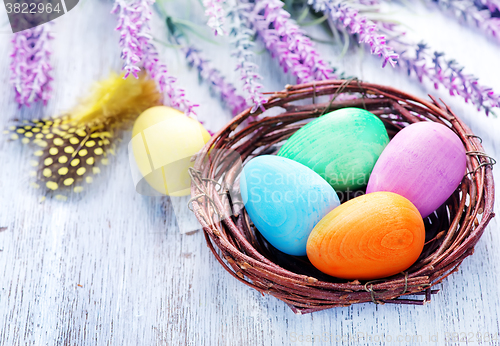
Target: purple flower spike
{"type": "Point", "coordinates": [172, 96]}
{"type": "Point", "coordinates": [138, 49]}
{"type": "Point", "coordinates": [215, 14]}
{"type": "Point", "coordinates": [467, 11]}
{"type": "Point", "coordinates": [491, 5]}
{"type": "Point", "coordinates": [242, 35]}
{"type": "Point", "coordinates": [227, 91]}
{"type": "Point", "coordinates": [340, 12]}
{"type": "Point", "coordinates": [133, 25]}
{"type": "Point", "coordinates": [285, 41]}
{"type": "Point", "coordinates": [418, 59]}
{"type": "Point", "coordinates": [30, 65]}
{"type": "Point", "coordinates": [369, 2]}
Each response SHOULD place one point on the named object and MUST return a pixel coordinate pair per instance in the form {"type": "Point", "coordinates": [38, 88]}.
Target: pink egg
{"type": "Point", "coordinates": [425, 162]}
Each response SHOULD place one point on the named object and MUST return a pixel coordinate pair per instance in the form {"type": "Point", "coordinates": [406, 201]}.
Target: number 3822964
{"type": "Point", "coordinates": [32, 8]}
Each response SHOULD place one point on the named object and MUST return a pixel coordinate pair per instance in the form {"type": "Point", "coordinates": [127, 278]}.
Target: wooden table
{"type": "Point", "coordinates": [111, 267]}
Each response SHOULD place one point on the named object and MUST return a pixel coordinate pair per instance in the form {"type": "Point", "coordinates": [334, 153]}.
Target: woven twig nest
{"type": "Point", "coordinates": [451, 232]}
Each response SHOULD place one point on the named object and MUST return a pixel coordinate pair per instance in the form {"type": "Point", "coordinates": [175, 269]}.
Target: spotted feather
{"type": "Point", "coordinates": [71, 149]}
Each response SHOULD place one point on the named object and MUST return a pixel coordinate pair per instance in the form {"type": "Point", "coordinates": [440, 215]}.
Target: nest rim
{"type": "Point", "coordinates": [233, 242]}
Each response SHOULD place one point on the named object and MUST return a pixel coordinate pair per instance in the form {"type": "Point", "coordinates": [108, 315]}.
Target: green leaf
{"type": "Point", "coordinates": [193, 28]}
{"type": "Point", "coordinates": [346, 43]}
{"type": "Point", "coordinates": [303, 15]}
{"type": "Point", "coordinates": [316, 21]}
{"type": "Point", "coordinates": [260, 52]}
{"type": "Point", "coordinates": [321, 41]}
{"type": "Point", "coordinates": [169, 45]}
{"type": "Point", "coordinates": [288, 5]}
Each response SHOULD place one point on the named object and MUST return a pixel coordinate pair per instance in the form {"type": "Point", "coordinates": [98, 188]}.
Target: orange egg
{"type": "Point", "coordinates": [369, 237]}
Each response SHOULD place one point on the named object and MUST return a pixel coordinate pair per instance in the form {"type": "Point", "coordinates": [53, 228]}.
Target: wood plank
{"type": "Point", "coordinates": [111, 268]}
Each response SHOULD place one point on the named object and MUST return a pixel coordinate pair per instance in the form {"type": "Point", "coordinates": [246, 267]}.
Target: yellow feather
{"type": "Point", "coordinates": [116, 99]}
{"type": "Point", "coordinates": [74, 144]}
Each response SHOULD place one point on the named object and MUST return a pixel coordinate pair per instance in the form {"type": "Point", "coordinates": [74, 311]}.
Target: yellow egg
{"type": "Point", "coordinates": [163, 141]}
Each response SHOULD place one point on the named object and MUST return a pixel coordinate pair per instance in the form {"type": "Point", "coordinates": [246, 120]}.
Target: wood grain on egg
{"type": "Point", "coordinates": [425, 162]}
{"type": "Point", "coordinates": [369, 237]}
{"type": "Point", "coordinates": [285, 200]}
{"type": "Point", "coordinates": [341, 146]}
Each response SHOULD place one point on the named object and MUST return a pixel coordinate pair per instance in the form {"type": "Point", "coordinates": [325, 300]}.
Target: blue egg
{"type": "Point", "coordinates": [285, 200]}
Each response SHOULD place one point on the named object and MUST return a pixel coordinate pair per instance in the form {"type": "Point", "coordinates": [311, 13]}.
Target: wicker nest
{"type": "Point", "coordinates": [451, 232]}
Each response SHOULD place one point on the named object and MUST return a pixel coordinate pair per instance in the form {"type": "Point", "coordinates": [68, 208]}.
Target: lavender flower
{"type": "Point", "coordinates": [369, 2]}
{"type": "Point", "coordinates": [339, 12]}
{"type": "Point", "coordinates": [215, 13]}
{"type": "Point", "coordinates": [491, 5]}
{"type": "Point", "coordinates": [30, 65]}
{"type": "Point", "coordinates": [468, 11]}
{"type": "Point", "coordinates": [133, 25]}
{"type": "Point", "coordinates": [208, 73]}
{"type": "Point", "coordinates": [172, 96]}
{"type": "Point", "coordinates": [286, 41]}
{"type": "Point", "coordinates": [227, 91]}
{"type": "Point", "coordinates": [419, 60]}
{"type": "Point", "coordinates": [138, 49]}
{"type": "Point", "coordinates": [241, 34]}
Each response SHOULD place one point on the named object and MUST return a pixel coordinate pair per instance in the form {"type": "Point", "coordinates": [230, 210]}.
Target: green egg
{"type": "Point", "coordinates": [341, 146]}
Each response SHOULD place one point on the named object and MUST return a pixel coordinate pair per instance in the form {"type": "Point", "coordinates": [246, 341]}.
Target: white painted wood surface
{"type": "Point", "coordinates": [111, 267]}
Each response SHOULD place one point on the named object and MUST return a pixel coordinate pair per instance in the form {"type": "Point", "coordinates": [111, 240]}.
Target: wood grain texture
{"type": "Point", "coordinates": [111, 267]}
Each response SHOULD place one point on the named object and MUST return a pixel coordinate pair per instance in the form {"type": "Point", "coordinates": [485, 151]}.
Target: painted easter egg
{"type": "Point", "coordinates": [285, 200]}
{"type": "Point", "coordinates": [163, 143]}
{"type": "Point", "coordinates": [341, 146]}
{"type": "Point", "coordinates": [425, 162]}
{"type": "Point", "coordinates": [369, 237]}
